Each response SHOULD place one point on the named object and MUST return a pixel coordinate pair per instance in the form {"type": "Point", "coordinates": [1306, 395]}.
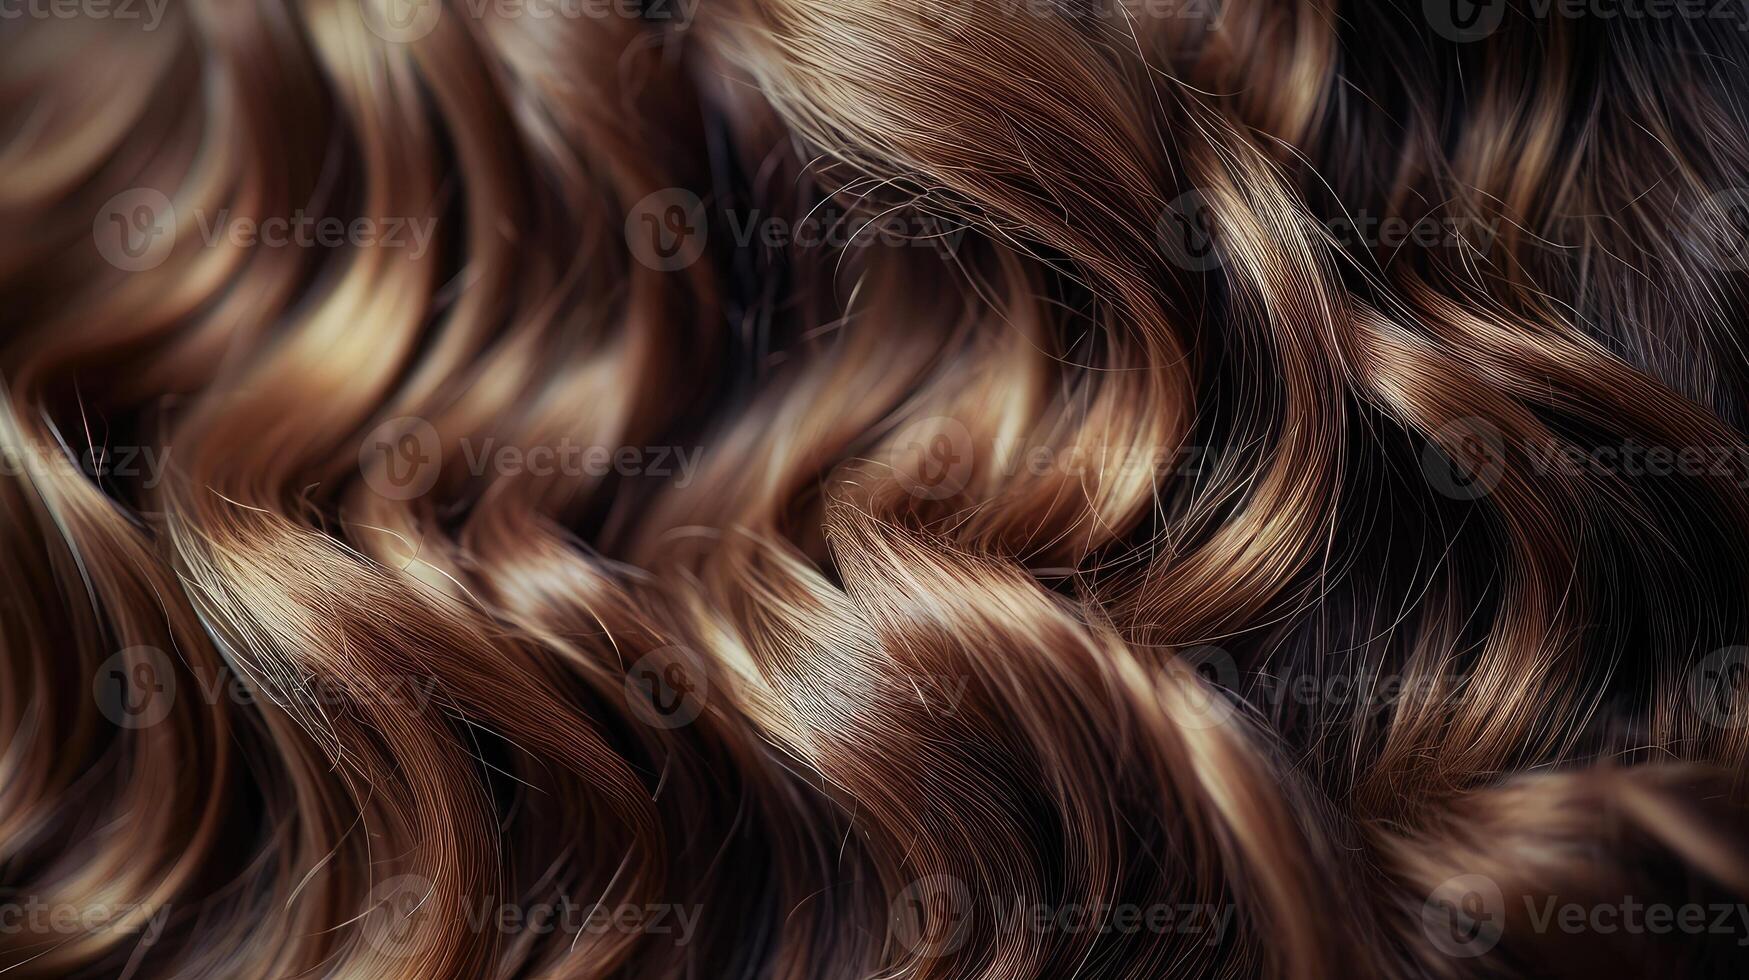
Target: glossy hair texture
{"type": "Point", "coordinates": [1145, 526]}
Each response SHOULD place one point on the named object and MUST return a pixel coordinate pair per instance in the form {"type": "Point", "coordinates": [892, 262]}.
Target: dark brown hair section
{"type": "Point", "coordinates": [873, 488]}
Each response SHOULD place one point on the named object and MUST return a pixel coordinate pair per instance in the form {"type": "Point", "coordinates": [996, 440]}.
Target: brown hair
{"type": "Point", "coordinates": [873, 488]}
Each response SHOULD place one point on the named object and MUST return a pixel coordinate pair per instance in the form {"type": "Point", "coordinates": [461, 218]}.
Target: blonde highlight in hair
{"type": "Point", "coordinates": [896, 488]}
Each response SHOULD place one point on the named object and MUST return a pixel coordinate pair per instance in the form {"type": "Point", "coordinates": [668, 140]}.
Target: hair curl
{"type": "Point", "coordinates": [873, 488]}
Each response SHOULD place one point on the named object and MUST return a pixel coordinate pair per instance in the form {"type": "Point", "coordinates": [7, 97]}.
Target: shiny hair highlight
{"type": "Point", "coordinates": [872, 488]}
